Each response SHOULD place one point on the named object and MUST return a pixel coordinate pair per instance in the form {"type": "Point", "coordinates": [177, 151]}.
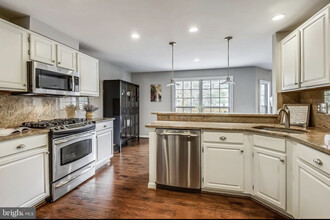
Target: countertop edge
{"type": "Point", "coordinates": [320, 148]}
{"type": "Point", "coordinates": [32, 132]}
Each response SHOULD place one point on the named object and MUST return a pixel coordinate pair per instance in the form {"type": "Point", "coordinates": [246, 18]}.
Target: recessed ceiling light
{"type": "Point", "coordinates": [196, 60]}
{"type": "Point", "coordinates": [278, 17]}
{"type": "Point", "coordinates": [193, 29]}
{"type": "Point", "coordinates": [135, 36]}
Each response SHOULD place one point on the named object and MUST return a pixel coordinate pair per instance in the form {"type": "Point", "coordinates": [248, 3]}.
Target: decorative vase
{"type": "Point", "coordinates": [70, 113]}
{"type": "Point", "coordinates": [89, 115]}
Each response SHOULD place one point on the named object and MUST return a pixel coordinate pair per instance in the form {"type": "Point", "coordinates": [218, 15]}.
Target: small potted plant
{"type": "Point", "coordinates": [90, 109]}
{"type": "Point", "coordinates": [71, 111]}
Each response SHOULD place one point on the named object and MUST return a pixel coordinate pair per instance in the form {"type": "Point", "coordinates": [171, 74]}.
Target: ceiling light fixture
{"type": "Point", "coordinates": [196, 60]}
{"type": "Point", "coordinates": [228, 79]}
{"type": "Point", "coordinates": [172, 82]}
{"type": "Point", "coordinates": [278, 17]}
{"type": "Point", "coordinates": [135, 36]}
{"type": "Point", "coordinates": [193, 29]}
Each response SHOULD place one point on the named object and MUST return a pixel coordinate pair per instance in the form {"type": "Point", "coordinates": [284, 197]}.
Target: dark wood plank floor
{"type": "Point", "coordinates": [120, 191]}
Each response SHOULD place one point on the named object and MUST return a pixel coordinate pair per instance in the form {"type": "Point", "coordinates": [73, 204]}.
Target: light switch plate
{"type": "Point", "coordinates": [322, 108]}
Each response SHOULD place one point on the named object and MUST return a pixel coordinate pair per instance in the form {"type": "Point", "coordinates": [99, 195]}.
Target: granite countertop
{"type": "Point", "coordinates": [97, 120]}
{"type": "Point", "coordinates": [215, 114]}
{"type": "Point", "coordinates": [25, 134]}
{"type": "Point", "coordinates": [314, 137]}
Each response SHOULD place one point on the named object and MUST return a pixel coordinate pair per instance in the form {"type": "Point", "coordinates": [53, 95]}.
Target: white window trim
{"type": "Point", "coordinates": [231, 89]}
{"type": "Point", "coordinates": [269, 95]}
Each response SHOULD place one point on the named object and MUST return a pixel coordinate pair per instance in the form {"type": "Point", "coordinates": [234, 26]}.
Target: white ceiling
{"type": "Point", "coordinates": [105, 27]}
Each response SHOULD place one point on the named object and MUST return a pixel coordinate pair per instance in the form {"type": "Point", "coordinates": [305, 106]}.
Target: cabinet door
{"type": "Point", "coordinates": [24, 178]}
{"type": "Point", "coordinates": [66, 57]}
{"type": "Point", "coordinates": [315, 50]}
{"type": "Point", "coordinates": [88, 68]}
{"type": "Point", "coordinates": [42, 49]}
{"type": "Point", "coordinates": [311, 193]}
{"type": "Point", "coordinates": [13, 57]}
{"type": "Point", "coordinates": [104, 145]}
{"type": "Point", "coordinates": [220, 162]}
{"type": "Point", "coordinates": [270, 176]}
{"type": "Point", "coordinates": [290, 61]}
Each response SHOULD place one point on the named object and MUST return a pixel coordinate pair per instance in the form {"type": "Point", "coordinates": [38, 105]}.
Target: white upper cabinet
{"type": "Point", "coordinates": [13, 57]}
{"type": "Point", "coordinates": [223, 167]}
{"type": "Point", "coordinates": [42, 49]}
{"type": "Point", "coordinates": [305, 54]}
{"type": "Point", "coordinates": [88, 67]}
{"type": "Point", "coordinates": [315, 50]}
{"type": "Point", "coordinates": [66, 57]}
{"type": "Point", "coordinates": [290, 61]}
{"type": "Point", "coordinates": [270, 176]}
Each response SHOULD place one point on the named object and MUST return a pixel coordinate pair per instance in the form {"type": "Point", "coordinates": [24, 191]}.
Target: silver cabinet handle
{"type": "Point", "coordinates": [21, 146]}
{"type": "Point", "coordinates": [178, 134]}
{"type": "Point", "coordinates": [318, 161]}
{"type": "Point", "coordinates": [223, 138]}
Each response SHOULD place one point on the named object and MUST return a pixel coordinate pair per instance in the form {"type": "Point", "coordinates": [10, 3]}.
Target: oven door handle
{"type": "Point", "coordinates": [73, 178]}
{"type": "Point", "coordinates": [76, 137]}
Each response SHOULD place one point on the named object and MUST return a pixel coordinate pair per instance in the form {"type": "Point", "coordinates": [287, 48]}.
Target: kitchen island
{"type": "Point", "coordinates": [279, 169]}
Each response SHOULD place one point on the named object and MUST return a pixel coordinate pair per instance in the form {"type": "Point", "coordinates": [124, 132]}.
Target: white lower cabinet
{"type": "Point", "coordinates": [311, 185]}
{"type": "Point", "coordinates": [220, 162]}
{"type": "Point", "coordinates": [24, 177]}
{"type": "Point", "coordinates": [104, 143]}
{"type": "Point", "coordinates": [311, 193]}
{"type": "Point", "coordinates": [270, 176]}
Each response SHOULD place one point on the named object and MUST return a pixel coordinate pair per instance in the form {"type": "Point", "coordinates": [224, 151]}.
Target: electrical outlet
{"type": "Point", "coordinates": [322, 108]}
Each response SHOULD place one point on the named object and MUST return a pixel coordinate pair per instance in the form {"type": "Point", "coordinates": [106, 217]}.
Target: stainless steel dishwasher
{"type": "Point", "coordinates": [178, 158]}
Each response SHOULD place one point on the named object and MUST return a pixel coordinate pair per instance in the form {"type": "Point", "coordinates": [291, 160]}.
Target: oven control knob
{"type": "Point", "coordinates": [56, 128]}
{"type": "Point", "coordinates": [62, 127]}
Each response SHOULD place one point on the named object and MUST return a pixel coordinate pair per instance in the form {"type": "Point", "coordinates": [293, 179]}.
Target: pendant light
{"type": "Point", "coordinates": [228, 79]}
{"type": "Point", "coordinates": [172, 83]}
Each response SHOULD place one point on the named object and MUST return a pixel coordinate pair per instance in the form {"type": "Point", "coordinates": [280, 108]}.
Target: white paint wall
{"type": "Point", "coordinates": [244, 99]}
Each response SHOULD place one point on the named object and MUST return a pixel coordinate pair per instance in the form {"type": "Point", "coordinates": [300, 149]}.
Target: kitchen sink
{"type": "Point", "coordinates": [286, 130]}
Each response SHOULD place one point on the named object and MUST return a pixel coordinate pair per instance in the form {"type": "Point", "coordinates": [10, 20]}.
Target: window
{"type": "Point", "coordinates": [264, 97]}
{"type": "Point", "coordinates": [202, 95]}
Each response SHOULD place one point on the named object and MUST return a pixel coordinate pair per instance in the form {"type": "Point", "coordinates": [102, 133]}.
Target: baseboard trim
{"type": "Point", "coordinates": [151, 185]}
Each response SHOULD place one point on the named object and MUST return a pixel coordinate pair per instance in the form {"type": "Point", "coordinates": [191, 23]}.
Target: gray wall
{"type": "Point", "coordinates": [108, 71]}
{"type": "Point", "coordinates": [244, 92]}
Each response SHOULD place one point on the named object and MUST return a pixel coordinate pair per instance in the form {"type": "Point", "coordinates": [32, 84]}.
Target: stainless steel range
{"type": "Point", "coordinates": [72, 146]}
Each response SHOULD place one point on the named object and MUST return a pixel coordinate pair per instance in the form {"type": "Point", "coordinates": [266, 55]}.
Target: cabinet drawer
{"type": "Point", "coordinates": [277, 144]}
{"type": "Point", "coordinates": [223, 137]}
{"type": "Point", "coordinates": [22, 144]}
{"type": "Point", "coordinates": [313, 157]}
{"type": "Point", "coordinates": [104, 125]}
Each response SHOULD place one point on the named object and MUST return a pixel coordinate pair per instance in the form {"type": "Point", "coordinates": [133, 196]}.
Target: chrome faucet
{"type": "Point", "coordinates": [286, 112]}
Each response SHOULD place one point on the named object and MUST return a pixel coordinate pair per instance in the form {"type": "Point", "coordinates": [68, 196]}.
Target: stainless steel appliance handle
{"type": "Point", "coordinates": [69, 180]}
{"type": "Point", "coordinates": [75, 137]}
{"type": "Point", "coordinates": [178, 134]}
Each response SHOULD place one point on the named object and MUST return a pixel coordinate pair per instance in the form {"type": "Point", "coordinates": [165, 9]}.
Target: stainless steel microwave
{"type": "Point", "coordinates": [45, 79]}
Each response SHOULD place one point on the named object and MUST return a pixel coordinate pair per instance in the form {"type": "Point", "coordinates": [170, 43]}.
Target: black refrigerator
{"type": "Point", "coordinates": [121, 101]}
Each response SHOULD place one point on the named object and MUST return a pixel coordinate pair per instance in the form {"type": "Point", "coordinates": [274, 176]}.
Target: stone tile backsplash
{"type": "Point", "coordinates": [17, 109]}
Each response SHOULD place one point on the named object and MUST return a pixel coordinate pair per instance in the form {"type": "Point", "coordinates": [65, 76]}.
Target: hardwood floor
{"type": "Point", "coordinates": [120, 191]}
